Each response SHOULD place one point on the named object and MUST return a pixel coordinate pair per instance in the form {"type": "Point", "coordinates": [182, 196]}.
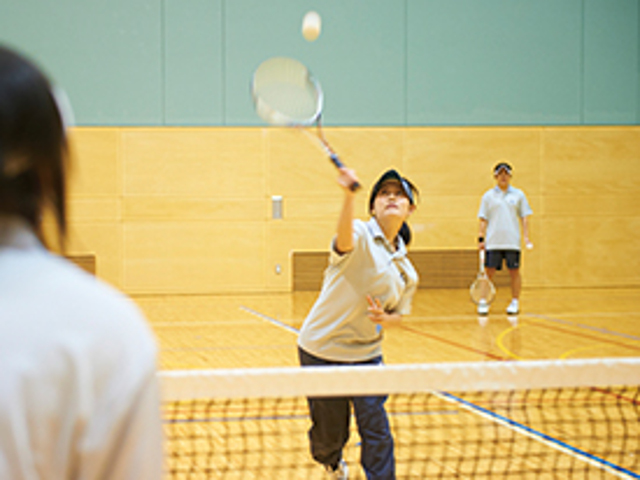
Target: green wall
{"type": "Point", "coordinates": [381, 62]}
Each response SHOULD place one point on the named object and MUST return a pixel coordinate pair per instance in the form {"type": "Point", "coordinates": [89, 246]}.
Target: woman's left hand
{"type": "Point", "coordinates": [377, 313]}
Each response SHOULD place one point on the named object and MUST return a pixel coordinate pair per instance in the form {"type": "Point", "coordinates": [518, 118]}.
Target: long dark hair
{"type": "Point", "coordinates": [33, 145]}
{"type": "Point", "coordinates": [405, 233]}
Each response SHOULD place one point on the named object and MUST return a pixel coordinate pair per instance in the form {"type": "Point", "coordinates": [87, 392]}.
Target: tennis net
{"type": "Point", "coordinates": [512, 420]}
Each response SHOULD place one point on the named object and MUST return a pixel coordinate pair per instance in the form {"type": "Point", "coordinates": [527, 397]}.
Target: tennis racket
{"type": "Point", "coordinates": [285, 94]}
{"type": "Point", "coordinates": [482, 288]}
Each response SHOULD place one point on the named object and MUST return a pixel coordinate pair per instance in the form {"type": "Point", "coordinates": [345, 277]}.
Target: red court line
{"type": "Point", "coordinates": [408, 329]}
{"type": "Point", "coordinates": [455, 344]}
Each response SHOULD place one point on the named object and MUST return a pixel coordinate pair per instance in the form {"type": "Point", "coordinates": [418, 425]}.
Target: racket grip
{"type": "Point", "coordinates": [338, 163]}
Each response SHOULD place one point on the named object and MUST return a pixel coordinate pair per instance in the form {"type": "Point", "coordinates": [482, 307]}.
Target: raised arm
{"type": "Point", "coordinates": [344, 236]}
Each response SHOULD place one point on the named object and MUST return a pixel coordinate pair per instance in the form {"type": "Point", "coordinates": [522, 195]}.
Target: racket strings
{"type": "Point", "coordinates": [285, 93]}
{"type": "Point", "coordinates": [482, 290]}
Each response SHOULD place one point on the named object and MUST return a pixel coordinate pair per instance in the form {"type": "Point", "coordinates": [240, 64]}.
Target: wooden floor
{"type": "Point", "coordinates": [201, 332]}
{"type": "Point", "coordinates": [210, 332]}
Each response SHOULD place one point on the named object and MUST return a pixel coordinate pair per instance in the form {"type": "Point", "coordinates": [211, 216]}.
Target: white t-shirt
{"type": "Point", "coordinates": [78, 389]}
{"type": "Point", "coordinates": [503, 211]}
{"type": "Point", "coordinates": [338, 328]}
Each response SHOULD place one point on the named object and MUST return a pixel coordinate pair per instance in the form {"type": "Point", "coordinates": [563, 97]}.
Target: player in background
{"type": "Point", "coordinates": [502, 210]}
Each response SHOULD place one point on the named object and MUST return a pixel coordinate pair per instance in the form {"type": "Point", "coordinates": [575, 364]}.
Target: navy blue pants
{"type": "Point", "coordinates": [330, 427]}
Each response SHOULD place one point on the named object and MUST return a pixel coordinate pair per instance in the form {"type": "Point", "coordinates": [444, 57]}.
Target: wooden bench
{"type": "Point", "coordinates": [436, 268]}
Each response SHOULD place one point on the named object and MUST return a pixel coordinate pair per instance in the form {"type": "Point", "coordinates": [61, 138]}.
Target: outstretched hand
{"type": "Point", "coordinates": [347, 178]}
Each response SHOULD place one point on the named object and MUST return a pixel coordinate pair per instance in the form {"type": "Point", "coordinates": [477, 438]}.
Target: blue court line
{"type": "Point", "coordinates": [543, 436]}
{"type": "Point", "coordinates": [586, 455]}
{"type": "Point", "coordinates": [273, 321]}
{"type": "Point", "coordinates": [606, 331]}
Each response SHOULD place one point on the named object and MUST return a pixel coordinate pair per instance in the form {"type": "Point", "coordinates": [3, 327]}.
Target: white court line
{"type": "Point", "coordinates": [413, 318]}
{"type": "Point", "coordinates": [202, 324]}
{"type": "Point", "coordinates": [271, 320]}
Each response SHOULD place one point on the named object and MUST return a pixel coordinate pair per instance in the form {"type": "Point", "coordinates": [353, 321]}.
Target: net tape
{"type": "Point", "coordinates": [371, 380]}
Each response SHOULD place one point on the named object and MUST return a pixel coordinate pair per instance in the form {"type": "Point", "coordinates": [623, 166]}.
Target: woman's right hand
{"type": "Point", "coordinates": [346, 178]}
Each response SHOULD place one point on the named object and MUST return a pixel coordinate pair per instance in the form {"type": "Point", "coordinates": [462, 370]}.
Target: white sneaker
{"type": "Point", "coordinates": [483, 307]}
{"type": "Point", "coordinates": [340, 473]}
{"type": "Point", "coordinates": [514, 307]}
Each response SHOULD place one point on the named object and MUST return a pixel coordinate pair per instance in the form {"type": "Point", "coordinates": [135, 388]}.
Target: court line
{"type": "Point", "coordinates": [271, 320]}
{"type": "Point", "coordinates": [598, 314]}
{"type": "Point", "coordinates": [583, 335]}
{"type": "Point", "coordinates": [438, 318]}
{"type": "Point", "coordinates": [186, 323]}
{"type": "Point", "coordinates": [542, 437]}
{"type": "Point", "coordinates": [570, 353]}
{"type": "Point", "coordinates": [217, 349]}
{"type": "Point", "coordinates": [501, 346]}
{"type": "Point", "coordinates": [606, 331]}
{"type": "Point", "coordinates": [548, 440]}
{"type": "Point", "coordinates": [455, 344]}
{"type": "Point", "coordinates": [289, 328]}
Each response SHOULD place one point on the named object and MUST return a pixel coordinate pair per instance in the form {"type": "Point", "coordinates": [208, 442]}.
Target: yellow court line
{"type": "Point", "coordinates": [501, 346]}
{"type": "Point", "coordinates": [569, 353]}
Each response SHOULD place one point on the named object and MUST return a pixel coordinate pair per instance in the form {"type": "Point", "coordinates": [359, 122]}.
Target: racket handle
{"type": "Point", "coordinates": [338, 163]}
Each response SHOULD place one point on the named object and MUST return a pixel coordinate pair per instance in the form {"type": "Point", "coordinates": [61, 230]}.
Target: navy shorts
{"type": "Point", "coordinates": [495, 258]}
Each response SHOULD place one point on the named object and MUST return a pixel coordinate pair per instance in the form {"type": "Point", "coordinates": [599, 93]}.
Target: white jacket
{"type": "Point", "coordinates": [78, 389]}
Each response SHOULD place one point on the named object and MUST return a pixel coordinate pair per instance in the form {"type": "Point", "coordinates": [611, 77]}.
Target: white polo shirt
{"type": "Point", "coordinates": [338, 328]}
{"type": "Point", "coordinates": [78, 389]}
{"type": "Point", "coordinates": [503, 211]}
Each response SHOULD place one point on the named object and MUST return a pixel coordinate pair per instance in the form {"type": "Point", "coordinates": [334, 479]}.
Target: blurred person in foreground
{"type": "Point", "coordinates": [78, 389]}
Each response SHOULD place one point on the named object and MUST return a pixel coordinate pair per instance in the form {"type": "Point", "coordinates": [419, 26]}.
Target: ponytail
{"type": "Point", "coordinates": [405, 233]}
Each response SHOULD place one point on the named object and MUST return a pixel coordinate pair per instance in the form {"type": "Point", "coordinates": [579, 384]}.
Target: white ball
{"type": "Point", "coordinates": [311, 25]}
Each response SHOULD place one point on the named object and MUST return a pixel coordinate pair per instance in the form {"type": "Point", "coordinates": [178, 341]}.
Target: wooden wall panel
{"type": "Point", "coordinates": [194, 162]}
{"type": "Point", "coordinates": [193, 257]}
{"type": "Point", "coordinates": [188, 210]}
{"type": "Point", "coordinates": [281, 236]}
{"type": "Point", "coordinates": [299, 168]}
{"type": "Point", "coordinates": [95, 200]}
{"type": "Point", "coordinates": [96, 167]}
{"type": "Point", "coordinates": [591, 206]}
{"type": "Point", "coordinates": [102, 239]}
